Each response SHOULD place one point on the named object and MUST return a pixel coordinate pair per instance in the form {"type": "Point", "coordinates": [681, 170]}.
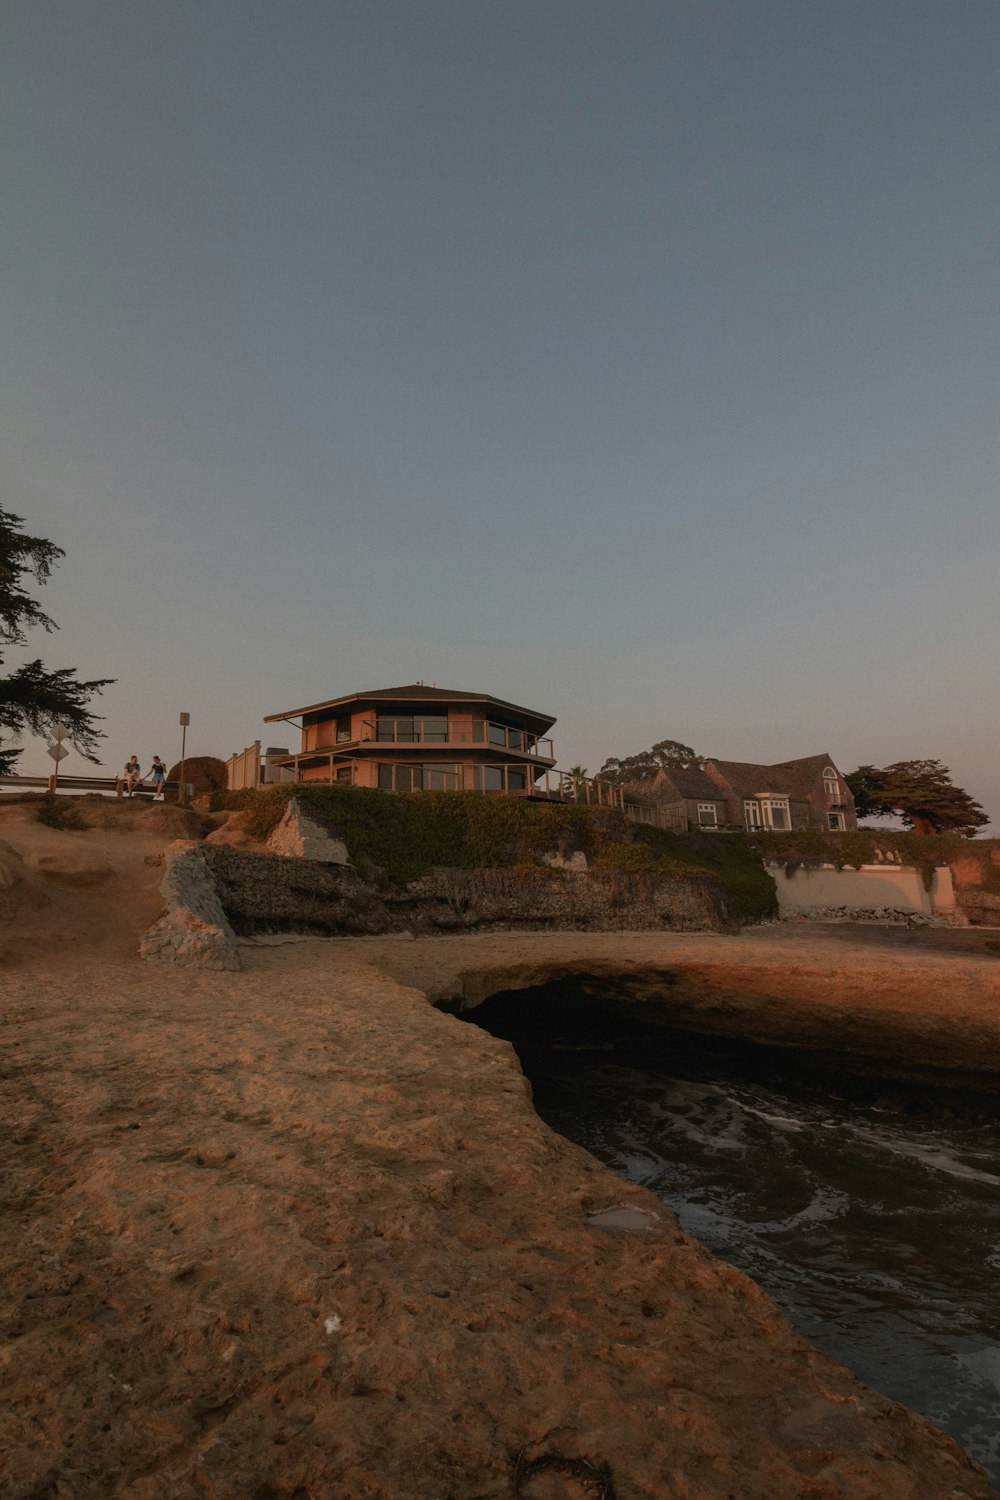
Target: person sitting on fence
{"type": "Point", "coordinates": [132, 775]}
{"type": "Point", "coordinates": [158, 773]}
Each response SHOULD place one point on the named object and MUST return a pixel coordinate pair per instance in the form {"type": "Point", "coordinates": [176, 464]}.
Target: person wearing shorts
{"type": "Point", "coordinates": [159, 776]}
{"type": "Point", "coordinates": [133, 775]}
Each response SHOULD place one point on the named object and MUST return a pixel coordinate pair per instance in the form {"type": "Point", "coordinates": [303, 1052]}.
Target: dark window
{"type": "Point", "coordinates": [344, 773]}
{"type": "Point", "coordinates": [343, 728]}
{"type": "Point", "coordinates": [441, 778]}
{"type": "Point", "coordinates": [498, 735]}
{"type": "Point", "coordinates": [493, 779]}
{"type": "Point", "coordinates": [516, 781]}
{"type": "Point", "coordinates": [385, 778]}
{"type": "Point", "coordinates": [406, 730]}
{"type": "Point", "coordinates": [515, 739]}
{"type": "Point", "coordinates": [433, 731]}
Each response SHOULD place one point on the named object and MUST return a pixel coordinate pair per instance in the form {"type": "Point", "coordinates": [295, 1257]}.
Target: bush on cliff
{"type": "Point", "coordinates": [407, 836]}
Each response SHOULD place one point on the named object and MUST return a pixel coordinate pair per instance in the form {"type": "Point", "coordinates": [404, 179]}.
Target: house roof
{"type": "Point", "coordinates": [796, 778]}
{"type": "Point", "coordinates": [418, 693]}
{"type": "Point", "coordinates": [683, 781]}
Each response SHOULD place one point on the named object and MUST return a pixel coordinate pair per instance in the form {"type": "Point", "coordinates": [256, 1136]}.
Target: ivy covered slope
{"type": "Point", "coordinates": [401, 838]}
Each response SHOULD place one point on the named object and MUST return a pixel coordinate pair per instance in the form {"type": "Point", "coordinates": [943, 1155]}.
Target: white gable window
{"type": "Point", "coordinates": [831, 784]}
{"type": "Point", "coordinates": [768, 811]}
{"type": "Point", "coordinates": [708, 817]}
{"type": "Point", "coordinates": [776, 814]}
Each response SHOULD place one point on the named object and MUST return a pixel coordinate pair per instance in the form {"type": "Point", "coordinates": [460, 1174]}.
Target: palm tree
{"type": "Point", "coordinates": [572, 779]}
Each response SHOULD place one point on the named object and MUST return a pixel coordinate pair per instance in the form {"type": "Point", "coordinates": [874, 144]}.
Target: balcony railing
{"type": "Point", "coordinates": [496, 736]}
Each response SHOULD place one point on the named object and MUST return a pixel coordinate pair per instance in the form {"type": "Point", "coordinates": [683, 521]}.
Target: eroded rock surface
{"type": "Point", "coordinates": [294, 1233]}
{"type": "Point", "coordinates": [194, 931]}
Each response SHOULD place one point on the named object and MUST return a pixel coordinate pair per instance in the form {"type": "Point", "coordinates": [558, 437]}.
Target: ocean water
{"type": "Point", "coordinates": [872, 1219]}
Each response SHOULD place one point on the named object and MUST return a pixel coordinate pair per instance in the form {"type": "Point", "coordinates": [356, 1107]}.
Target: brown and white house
{"type": "Point", "coordinates": [419, 738]}
{"type": "Point", "coordinates": [806, 793]}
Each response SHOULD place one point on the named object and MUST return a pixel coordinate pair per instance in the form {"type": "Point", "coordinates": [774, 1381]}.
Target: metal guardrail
{"type": "Point", "coordinates": [86, 784]}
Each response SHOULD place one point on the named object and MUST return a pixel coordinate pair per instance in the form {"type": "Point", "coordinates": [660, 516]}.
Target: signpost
{"type": "Point", "coordinates": [182, 789]}
{"type": "Point", "coordinates": [58, 752]}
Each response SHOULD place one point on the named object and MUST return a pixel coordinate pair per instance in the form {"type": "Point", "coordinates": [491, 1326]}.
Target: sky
{"type": "Point", "coordinates": [635, 362]}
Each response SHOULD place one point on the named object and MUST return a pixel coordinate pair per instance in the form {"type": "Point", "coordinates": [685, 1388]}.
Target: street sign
{"type": "Point", "coordinates": [57, 752]}
{"type": "Point", "coordinates": [59, 732]}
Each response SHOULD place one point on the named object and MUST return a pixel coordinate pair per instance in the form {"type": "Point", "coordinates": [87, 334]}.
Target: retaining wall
{"type": "Point", "coordinates": [873, 891]}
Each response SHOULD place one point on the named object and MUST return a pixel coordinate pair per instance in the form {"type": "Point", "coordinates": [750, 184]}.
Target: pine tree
{"type": "Point", "coordinates": [920, 792]}
{"type": "Point", "coordinates": [33, 699]}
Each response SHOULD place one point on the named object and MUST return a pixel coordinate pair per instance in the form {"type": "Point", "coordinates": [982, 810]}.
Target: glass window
{"type": "Point", "coordinates": [779, 816]}
{"type": "Point", "coordinates": [440, 778]}
{"type": "Point", "coordinates": [836, 821]}
{"type": "Point", "coordinates": [497, 734]}
{"type": "Point", "coordinates": [343, 729]}
{"type": "Point", "coordinates": [516, 781]}
{"type": "Point", "coordinates": [385, 778]}
{"type": "Point", "coordinates": [344, 773]}
{"type": "Point", "coordinates": [433, 730]}
{"type": "Point", "coordinates": [751, 812]}
{"type": "Point", "coordinates": [515, 739]}
{"type": "Point", "coordinates": [493, 778]}
{"type": "Point", "coordinates": [404, 778]}
{"type": "Point", "coordinates": [707, 815]}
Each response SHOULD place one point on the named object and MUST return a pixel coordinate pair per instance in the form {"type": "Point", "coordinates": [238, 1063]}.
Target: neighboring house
{"type": "Point", "coordinates": [420, 738]}
{"type": "Point", "coordinates": [807, 793]}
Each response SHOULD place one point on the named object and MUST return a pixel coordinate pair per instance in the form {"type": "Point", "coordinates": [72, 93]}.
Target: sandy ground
{"type": "Point", "coordinates": [295, 1233]}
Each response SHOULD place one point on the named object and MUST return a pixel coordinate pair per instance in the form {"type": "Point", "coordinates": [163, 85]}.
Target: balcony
{"type": "Point", "coordinates": [484, 735]}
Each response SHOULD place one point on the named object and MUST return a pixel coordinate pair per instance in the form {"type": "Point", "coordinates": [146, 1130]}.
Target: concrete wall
{"type": "Point", "coordinates": [873, 888]}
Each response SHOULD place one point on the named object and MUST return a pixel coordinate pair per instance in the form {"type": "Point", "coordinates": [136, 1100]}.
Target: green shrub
{"type": "Point", "coordinates": [406, 836]}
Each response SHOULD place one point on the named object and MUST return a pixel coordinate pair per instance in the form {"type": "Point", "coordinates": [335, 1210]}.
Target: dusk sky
{"type": "Point", "coordinates": [636, 362]}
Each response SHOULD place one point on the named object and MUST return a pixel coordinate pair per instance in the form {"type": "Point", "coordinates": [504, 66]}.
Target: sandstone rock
{"type": "Point", "coordinates": [231, 832]}
{"type": "Point", "coordinates": [194, 931]}
{"type": "Point", "coordinates": [301, 835]}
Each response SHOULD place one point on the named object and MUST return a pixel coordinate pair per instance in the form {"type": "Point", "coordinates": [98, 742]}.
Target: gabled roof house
{"type": "Point", "coordinates": [806, 793]}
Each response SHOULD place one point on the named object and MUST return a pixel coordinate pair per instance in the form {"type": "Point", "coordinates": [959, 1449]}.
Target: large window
{"type": "Point", "coordinates": [831, 784]}
{"type": "Point", "coordinates": [405, 729]}
{"type": "Point", "coordinates": [776, 813]}
{"type": "Point", "coordinates": [510, 739]}
{"type": "Point", "coordinates": [708, 816]}
{"type": "Point", "coordinates": [499, 779]}
{"type": "Point", "coordinates": [419, 778]}
{"type": "Point", "coordinates": [767, 812]}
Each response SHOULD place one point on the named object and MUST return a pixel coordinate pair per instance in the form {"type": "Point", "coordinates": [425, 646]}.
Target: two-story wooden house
{"type": "Point", "coordinates": [420, 738]}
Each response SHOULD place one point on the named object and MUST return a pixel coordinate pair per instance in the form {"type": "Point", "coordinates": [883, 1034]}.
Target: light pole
{"type": "Point", "coordinates": [185, 721]}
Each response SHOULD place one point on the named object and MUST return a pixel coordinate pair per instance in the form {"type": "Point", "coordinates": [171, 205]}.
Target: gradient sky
{"type": "Point", "coordinates": [636, 362]}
